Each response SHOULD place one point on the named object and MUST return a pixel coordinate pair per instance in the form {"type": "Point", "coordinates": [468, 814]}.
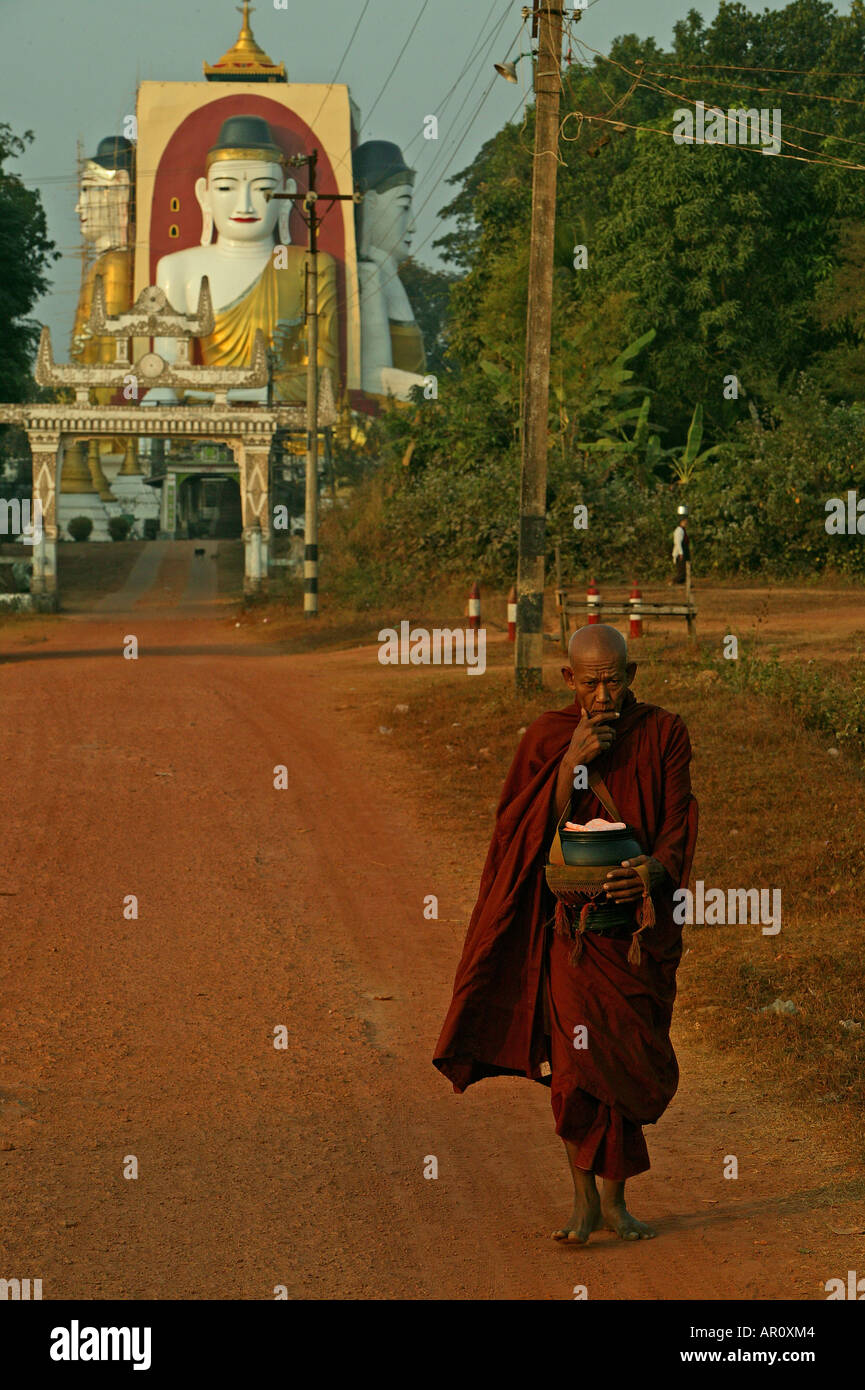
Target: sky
{"type": "Point", "coordinates": [69, 71]}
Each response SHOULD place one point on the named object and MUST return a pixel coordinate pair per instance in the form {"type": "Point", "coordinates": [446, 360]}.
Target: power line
{"type": "Point", "coordinates": [355, 298]}
{"type": "Point", "coordinates": [751, 87]}
{"type": "Point", "coordinates": [479, 43]}
{"type": "Point", "coordinates": [397, 61]}
{"type": "Point", "coordinates": [473, 52]}
{"type": "Point", "coordinates": [739, 67]}
{"type": "Point", "coordinates": [487, 50]}
{"type": "Point", "coordinates": [681, 96]}
{"type": "Point", "coordinates": [339, 65]}
{"type": "Point", "coordinates": [351, 299]}
{"type": "Point", "coordinates": [742, 149]}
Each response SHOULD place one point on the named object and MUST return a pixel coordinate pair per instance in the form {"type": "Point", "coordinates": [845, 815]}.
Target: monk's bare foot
{"type": "Point", "coordinates": [618, 1219]}
{"type": "Point", "coordinates": [585, 1218]}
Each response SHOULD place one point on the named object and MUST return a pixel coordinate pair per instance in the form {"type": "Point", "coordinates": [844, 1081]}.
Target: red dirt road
{"type": "Point", "coordinates": [301, 1166]}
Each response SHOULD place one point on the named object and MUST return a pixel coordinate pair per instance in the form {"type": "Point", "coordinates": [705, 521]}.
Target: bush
{"type": "Point", "coordinates": [827, 698]}
{"type": "Point", "coordinates": [450, 507]}
{"type": "Point", "coordinates": [80, 527]}
{"type": "Point", "coordinates": [119, 527]}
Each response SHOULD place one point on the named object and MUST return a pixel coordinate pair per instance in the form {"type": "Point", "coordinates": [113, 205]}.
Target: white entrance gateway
{"type": "Point", "coordinates": [248, 429]}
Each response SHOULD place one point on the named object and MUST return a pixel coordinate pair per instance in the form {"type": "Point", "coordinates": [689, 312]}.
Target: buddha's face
{"type": "Point", "coordinates": [388, 223]}
{"type": "Point", "coordinates": [235, 195]}
{"type": "Point", "coordinates": [103, 206]}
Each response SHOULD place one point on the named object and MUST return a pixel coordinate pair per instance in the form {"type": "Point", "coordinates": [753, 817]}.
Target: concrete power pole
{"type": "Point", "coordinates": [310, 524]}
{"type": "Point", "coordinates": [313, 222]}
{"type": "Point", "coordinates": [547, 22]}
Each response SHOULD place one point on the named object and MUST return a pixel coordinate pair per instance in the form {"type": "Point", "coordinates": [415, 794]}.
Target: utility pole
{"type": "Point", "coordinates": [547, 26]}
{"type": "Point", "coordinates": [310, 523]}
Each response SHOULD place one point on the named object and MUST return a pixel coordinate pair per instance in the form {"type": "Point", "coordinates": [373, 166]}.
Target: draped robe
{"type": "Point", "coordinates": [517, 1000]}
{"type": "Point", "coordinates": [115, 269]}
{"type": "Point", "coordinates": [275, 304]}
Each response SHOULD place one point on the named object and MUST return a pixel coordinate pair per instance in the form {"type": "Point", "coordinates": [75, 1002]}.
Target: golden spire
{"type": "Point", "coordinates": [245, 62]}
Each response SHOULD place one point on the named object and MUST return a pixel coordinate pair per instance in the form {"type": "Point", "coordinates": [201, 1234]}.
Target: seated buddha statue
{"type": "Point", "coordinates": [392, 351]}
{"type": "Point", "coordinates": [251, 285]}
{"type": "Point", "coordinates": [105, 193]}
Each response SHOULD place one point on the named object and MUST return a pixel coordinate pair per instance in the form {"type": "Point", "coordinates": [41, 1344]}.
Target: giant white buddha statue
{"type": "Point", "coordinates": [104, 209]}
{"type": "Point", "coordinates": [392, 352]}
{"type": "Point", "coordinates": [255, 280]}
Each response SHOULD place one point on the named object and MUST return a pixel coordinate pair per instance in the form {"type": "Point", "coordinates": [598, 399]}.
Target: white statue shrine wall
{"type": "Point", "coordinates": [178, 123]}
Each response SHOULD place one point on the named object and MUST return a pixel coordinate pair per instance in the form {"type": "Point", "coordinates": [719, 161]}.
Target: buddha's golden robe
{"type": "Point", "coordinates": [275, 304]}
{"type": "Point", "coordinates": [115, 267]}
{"type": "Point", "coordinates": [406, 345]}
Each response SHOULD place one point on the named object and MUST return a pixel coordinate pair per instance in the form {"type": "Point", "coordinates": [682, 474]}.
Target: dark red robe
{"type": "Point", "coordinates": [516, 998]}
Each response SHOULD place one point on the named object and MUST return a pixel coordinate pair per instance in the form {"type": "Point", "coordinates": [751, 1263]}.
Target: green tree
{"type": "Point", "coordinates": [706, 265]}
{"type": "Point", "coordinates": [429, 291]}
{"type": "Point", "coordinates": [26, 252]}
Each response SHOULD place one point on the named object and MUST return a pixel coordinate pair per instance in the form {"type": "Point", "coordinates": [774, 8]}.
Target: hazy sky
{"type": "Point", "coordinates": [69, 70]}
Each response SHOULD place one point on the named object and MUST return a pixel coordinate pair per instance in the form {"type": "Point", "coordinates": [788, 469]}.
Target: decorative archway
{"type": "Point", "coordinates": [247, 429]}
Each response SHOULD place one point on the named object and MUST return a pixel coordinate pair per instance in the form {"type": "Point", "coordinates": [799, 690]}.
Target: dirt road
{"type": "Point", "coordinates": [152, 1037]}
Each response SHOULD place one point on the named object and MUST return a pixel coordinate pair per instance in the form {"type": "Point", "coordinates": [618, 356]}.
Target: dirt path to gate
{"type": "Point", "coordinates": [151, 1038]}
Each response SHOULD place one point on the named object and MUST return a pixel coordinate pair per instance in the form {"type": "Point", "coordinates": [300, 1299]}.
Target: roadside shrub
{"type": "Point", "coordinates": [119, 527]}
{"type": "Point", "coordinates": [79, 527]}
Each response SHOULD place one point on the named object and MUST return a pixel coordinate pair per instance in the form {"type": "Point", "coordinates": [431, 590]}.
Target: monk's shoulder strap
{"type": "Point", "coordinates": [602, 792]}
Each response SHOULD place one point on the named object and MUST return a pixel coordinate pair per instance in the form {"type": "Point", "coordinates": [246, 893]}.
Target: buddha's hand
{"type": "Point", "coordinates": [625, 884]}
{"type": "Point", "coordinates": [593, 735]}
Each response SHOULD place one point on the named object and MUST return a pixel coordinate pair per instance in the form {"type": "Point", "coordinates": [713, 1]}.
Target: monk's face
{"type": "Point", "coordinates": [599, 679]}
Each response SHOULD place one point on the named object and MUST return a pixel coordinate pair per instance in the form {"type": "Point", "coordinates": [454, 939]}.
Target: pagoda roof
{"type": "Point", "coordinates": [245, 61]}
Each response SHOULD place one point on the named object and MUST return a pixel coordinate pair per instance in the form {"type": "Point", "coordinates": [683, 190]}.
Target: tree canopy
{"type": "Point", "coordinates": [719, 299]}
{"type": "Point", "coordinates": [26, 252]}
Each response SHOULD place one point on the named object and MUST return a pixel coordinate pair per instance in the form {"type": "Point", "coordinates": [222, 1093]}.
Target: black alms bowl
{"type": "Point", "coordinates": [607, 848]}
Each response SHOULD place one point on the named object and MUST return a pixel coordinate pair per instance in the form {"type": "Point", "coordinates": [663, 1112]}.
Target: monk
{"type": "Point", "coordinates": [523, 986]}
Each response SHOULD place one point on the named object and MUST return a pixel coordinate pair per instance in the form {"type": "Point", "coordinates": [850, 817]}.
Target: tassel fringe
{"type": "Point", "coordinates": [645, 919]}
{"type": "Point", "coordinates": [565, 925]}
{"type": "Point", "coordinates": [646, 914]}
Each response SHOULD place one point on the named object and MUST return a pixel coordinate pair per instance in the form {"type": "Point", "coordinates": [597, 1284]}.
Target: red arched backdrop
{"type": "Point", "coordinates": [183, 162]}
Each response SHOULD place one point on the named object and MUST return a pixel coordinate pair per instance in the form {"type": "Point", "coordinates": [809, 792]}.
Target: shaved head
{"type": "Point", "coordinates": [599, 672]}
{"type": "Point", "coordinates": [599, 642]}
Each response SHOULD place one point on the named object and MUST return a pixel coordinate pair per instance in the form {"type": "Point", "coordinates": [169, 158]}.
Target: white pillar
{"type": "Point", "coordinates": [168, 512]}
{"type": "Point", "coordinates": [45, 448]}
{"type": "Point", "coordinates": [255, 502]}
{"type": "Point", "coordinates": [252, 569]}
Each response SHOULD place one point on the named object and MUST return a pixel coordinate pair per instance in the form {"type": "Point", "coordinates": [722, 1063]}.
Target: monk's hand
{"type": "Point", "coordinates": [593, 736]}
{"type": "Point", "coordinates": [625, 884]}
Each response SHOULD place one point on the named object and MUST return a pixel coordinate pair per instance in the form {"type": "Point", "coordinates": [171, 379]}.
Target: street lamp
{"type": "Point", "coordinates": [508, 70]}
